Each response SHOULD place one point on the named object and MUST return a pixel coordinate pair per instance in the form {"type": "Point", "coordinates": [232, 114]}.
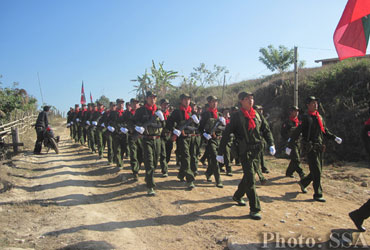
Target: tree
{"type": "Point", "coordinates": [144, 85]}
{"type": "Point", "coordinates": [208, 77]}
{"type": "Point", "coordinates": [162, 78]}
{"type": "Point", "coordinates": [104, 100]}
{"type": "Point", "coordinates": [277, 59]}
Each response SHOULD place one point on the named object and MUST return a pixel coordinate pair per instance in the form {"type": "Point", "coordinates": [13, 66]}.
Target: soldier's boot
{"type": "Point", "coordinates": [255, 215]}
{"type": "Point", "coordinates": [357, 220]}
{"type": "Point", "coordinates": [228, 171]}
{"type": "Point", "coordinates": [190, 185]}
{"type": "Point", "coordinates": [240, 201]}
{"type": "Point", "coordinates": [151, 192]}
{"type": "Point", "coordinates": [303, 188]}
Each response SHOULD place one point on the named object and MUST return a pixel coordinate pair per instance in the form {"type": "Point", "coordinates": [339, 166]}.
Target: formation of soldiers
{"type": "Point", "coordinates": [146, 134]}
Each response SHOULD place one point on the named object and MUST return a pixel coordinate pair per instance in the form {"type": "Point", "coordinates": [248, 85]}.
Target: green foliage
{"type": "Point", "coordinates": [208, 77]}
{"type": "Point", "coordinates": [12, 99]}
{"type": "Point", "coordinates": [277, 59]}
{"type": "Point", "coordinates": [144, 84]}
{"type": "Point", "coordinates": [104, 100]}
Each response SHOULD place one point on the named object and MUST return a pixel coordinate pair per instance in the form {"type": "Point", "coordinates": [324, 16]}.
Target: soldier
{"type": "Point", "coordinates": [75, 123]}
{"type": "Point", "coordinates": [126, 152]}
{"type": "Point", "coordinates": [196, 141]}
{"type": "Point", "coordinates": [97, 116]}
{"type": "Point", "coordinates": [264, 169]}
{"type": "Point", "coordinates": [166, 142]}
{"type": "Point", "coordinates": [42, 124]}
{"type": "Point", "coordinates": [88, 126]}
{"type": "Point", "coordinates": [108, 134]}
{"type": "Point", "coordinates": [149, 123]}
{"type": "Point", "coordinates": [359, 215]}
{"type": "Point", "coordinates": [180, 122]}
{"type": "Point", "coordinates": [226, 114]}
{"type": "Point", "coordinates": [314, 131]}
{"type": "Point", "coordinates": [287, 129]}
{"type": "Point", "coordinates": [81, 127]}
{"type": "Point", "coordinates": [249, 128]}
{"type": "Point", "coordinates": [210, 126]}
{"type": "Point", "coordinates": [135, 142]}
{"type": "Point", "coordinates": [69, 120]}
{"type": "Point", "coordinates": [115, 123]}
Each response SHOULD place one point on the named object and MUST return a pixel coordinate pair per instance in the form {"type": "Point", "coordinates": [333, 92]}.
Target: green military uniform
{"type": "Point", "coordinates": [75, 124]}
{"type": "Point", "coordinates": [89, 127]}
{"type": "Point", "coordinates": [116, 121]}
{"type": "Point", "coordinates": [287, 129]}
{"type": "Point", "coordinates": [134, 141]}
{"type": "Point", "coordinates": [166, 143]}
{"type": "Point", "coordinates": [147, 119]}
{"type": "Point", "coordinates": [211, 126]}
{"type": "Point", "coordinates": [180, 119]}
{"type": "Point", "coordinates": [250, 143]}
{"type": "Point", "coordinates": [107, 134]}
{"type": "Point", "coordinates": [97, 121]}
{"type": "Point", "coordinates": [194, 149]}
{"type": "Point", "coordinates": [81, 132]}
{"type": "Point", "coordinates": [313, 146]}
{"type": "Point", "coordinates": [69, 119]}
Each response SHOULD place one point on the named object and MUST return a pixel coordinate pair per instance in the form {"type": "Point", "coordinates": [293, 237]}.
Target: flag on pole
{"type": "Point", "coordinates": [83, 98]}
{"type": "Point", "coordinates": [352, 33]}
{"type": "Point", "coordinates": [91, 98]}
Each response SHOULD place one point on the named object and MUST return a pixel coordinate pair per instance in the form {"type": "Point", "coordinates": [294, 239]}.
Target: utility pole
{"type": "Point", "coordinates": [295, 76]}
{"type": "Point", "coordinates": [223, 89]}
{"type": "Point", "coordinates": [42, 98]}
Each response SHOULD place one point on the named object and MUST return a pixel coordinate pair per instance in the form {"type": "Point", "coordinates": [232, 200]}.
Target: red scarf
{"type": "Point", "coordinates": [77, 111]}
{"type": "Point", "coordinates": [316, 113]}
{"type": "Point", "coordinates": [132, 111]}
{"type": "Point", "coordinates": [295, 120]}
{"type": "Point", "coordinates": [83, 111]}
{"type": "Point", "coordinates": [120, 111]}
{"type": "Point", "coordinates": [214, 112]}
{"type": "Point", "coordinates": [151, 108]}
{"type": "Point", "coordinates": [186, 111]}
{"type": "Point", "coordinates": [227, 121]}
{"type": "Point", "coordinates": [166, 114]}
{"type": "Point", "coordinates": [250, 115]}
{"type": "Point", "coordinates": [101, 111]}
{"type": "Point", "coordinates": [367, 122]}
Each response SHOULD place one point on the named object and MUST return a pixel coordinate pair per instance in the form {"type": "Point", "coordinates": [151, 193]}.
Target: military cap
{"type": "Point", "coordinates": [83, 105]}
{"type": "Point", "coordinates": [211, 98]}
{"type": "Point", "coordinates": [89, 104]}
{"type": "Point", "coordinates": [294, 108]}
{"type": "Point", "coordinates": [150, 93]}
{"type": "Point", "coordinates": [46, 108]}
{"type": "Point", "coordinates": [134, 100]}
{"type": "Point", "coordinates": [182, 96]}
{"type": "Point", "coordinates": [119, 100]}
{"type": "Point", "coordinates": [77, 105]}
{"type": "Point", "coordinates": [235, 108]}
{"type": "Point", "coordinates": [310, 99]}
{"type": "Point", "coordinates": [258, 107]}
{"type": "Point", "coordinates": [244, 94]}
{"type": "Point", "coordinates": [93, 104]}
{"type": "Point", "coordinates": [164, 101]}
{"type": "Point", "coordinates": [112, 104]}
{"type": "Point", "coordinates": [99, 104]}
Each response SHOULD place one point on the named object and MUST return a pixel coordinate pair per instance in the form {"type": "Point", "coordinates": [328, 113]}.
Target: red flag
{"type": "Point", "coordinates": [352, 33]}
{"type": "Point", "coordinates": [91, 99]}
{"type": "Point", "coordinates": [83, 98]}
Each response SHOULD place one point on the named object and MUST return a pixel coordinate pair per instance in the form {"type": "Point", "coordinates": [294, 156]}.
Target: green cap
{"type": "Point", "coordinates": [294, 108]}
{"type": "Point", "coordinates": [182, 96]}
{"type": "Point", "coordinates": [119, 100]}
{"type": "Point", "coordinates": [211, 98]}
{"type": "Point", "coordinates": [243, 95]}
{"type": "Point", "coordinates": [164, 101]}
{"type": "Point", "coordinates": [310, 99]}
{"type": "Point", "coordinates": [150, 93]}
{"type": "Point", "coordinates": [134, 100]}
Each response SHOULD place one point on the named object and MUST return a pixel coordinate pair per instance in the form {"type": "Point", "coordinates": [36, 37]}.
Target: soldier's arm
{"type": "Point", "coordinates": [230, 129]}
{"type": "Point", "coordinates": [296, 133]}
{"type": "Point", "coordinates": [266, 132]}
{"type": "Point", "coordinates": [328, 134]}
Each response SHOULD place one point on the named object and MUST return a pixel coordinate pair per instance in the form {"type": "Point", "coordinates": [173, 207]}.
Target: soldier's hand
{"type": "Point", "coordinates": [102, 125]}
{"type": "Point", "coordinates": [220, 159]}
{"type": "Point", "coordinates": [195, 119]}
{"type": "Point", "coordinates": [124, 130]}
{"type": "Point", "coordinates": [94, 123]}
{"type": "Point", "coordinates": [160, 115]}
{"type": "Point", "coordinates": [272, 150]}
{"type": "Point", "coordinates": [68, 125]}
{"type": "Point", "coordinates": [288, 151]}
{"type": "Point", "coordinates": [177, 132]}
{"type": "Point", "coordinates": [111, 129]}
{"type": "Point", "coordinates": [207, 136]}
{"type": "Point", "coordinates": [139, 129]}
{"type": "Point", "coordinates": [338, 140]}
{"type": "Point", "coordinates": [222, 120]}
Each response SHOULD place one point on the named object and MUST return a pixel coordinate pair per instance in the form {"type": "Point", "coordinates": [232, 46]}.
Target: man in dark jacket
{"type": "Point", "coordinates": [41, 124]}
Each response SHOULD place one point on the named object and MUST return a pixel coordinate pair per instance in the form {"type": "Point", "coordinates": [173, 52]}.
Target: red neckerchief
{"type": "Point", "coordinates": [77, 111]}
{"type": "Point", "coordinates": [295, 120]}
{"type": "Point", "coordinates": [101, 111]}
{"type": "Point", "coordinates": [120, 111]}
{"type": "Point", "coordinates": [151, 108]}
{"type": "Point", "coordinates": [250, 115]}
{"type": "Point", "coordinates": [132, 111]}
{"type": "Point", "coordinates": [166, 114]}
{"type": "Point", "coordinates": [214, 112]}
{"type": "Point", "coordinates": [367, 122]}
{"type": "Point", "coordinates": [83, 111]}
{"type": "Point", "coordinates": [186, 111]}
{"type": "Point", "coordinates": [316, 113]}
{"type": "Point", "coordinates": [227, 121]}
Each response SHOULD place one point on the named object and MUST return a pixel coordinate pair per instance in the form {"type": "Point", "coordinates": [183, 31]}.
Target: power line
{"type": "Point", "coordinates": [42, 98]}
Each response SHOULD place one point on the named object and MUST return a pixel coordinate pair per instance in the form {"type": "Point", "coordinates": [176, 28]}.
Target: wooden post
{"type": "Point", "coordinates": [15, 138]}
{"type": "Point", "coordinates": [295, 76]}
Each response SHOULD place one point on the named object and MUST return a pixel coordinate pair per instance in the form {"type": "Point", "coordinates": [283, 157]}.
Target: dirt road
{"type": "Point", "coordinates": [76, 201]}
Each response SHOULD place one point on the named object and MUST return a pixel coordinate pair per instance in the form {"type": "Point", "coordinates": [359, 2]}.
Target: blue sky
{"type": "Point", "coordinates": [108, 43]}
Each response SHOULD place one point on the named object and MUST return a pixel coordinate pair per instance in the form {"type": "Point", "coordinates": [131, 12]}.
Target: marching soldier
{"type": "Point", "coordinates": [81, 126]}
{"type": "Point", "coordinates": [196, 141]}
{"type": "Point", "coordinates": [181, 122]}
{"type": "Point", "coordinates": [226, 114]}
{"type": "Point", "coordinates": [287, 129]}
{"type": "Point", "coordinates": [249, 128]}
{"type": "Point", "coordinates": [97, 116]}
{"type": "Point", "coordinates": [108, 134]}
{"type": "Point", "coordinates": [210, 126]}
{"type": "Point", "coordinates": [314, 131]}
{"type": "Point", "coordinates": [135, 142]}
{"type": "Point", "coordinates": [359, 215]}
{"type": "Point", "coordinates": [75, 123]}
{"type": "Point", "coordinates": [86, 121]}
{"type": "Point", "coordinates": [114, 125]}
{"type": "Point", "coordinates": [166, 142]}
{"type": "Point", "coordinates": [69, 120]}
{"type": "Point", "coordinates": [264, 169]}
{"type": "Point", "coordinates": [41, 126]}
{"type": "Point", "coordinates": [149, 123]}
{"type": "Point", "coordinates": [125, 136]}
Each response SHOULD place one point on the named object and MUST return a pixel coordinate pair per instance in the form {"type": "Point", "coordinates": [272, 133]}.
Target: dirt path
{"type": "Point", "coordinates": [75, 201]}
